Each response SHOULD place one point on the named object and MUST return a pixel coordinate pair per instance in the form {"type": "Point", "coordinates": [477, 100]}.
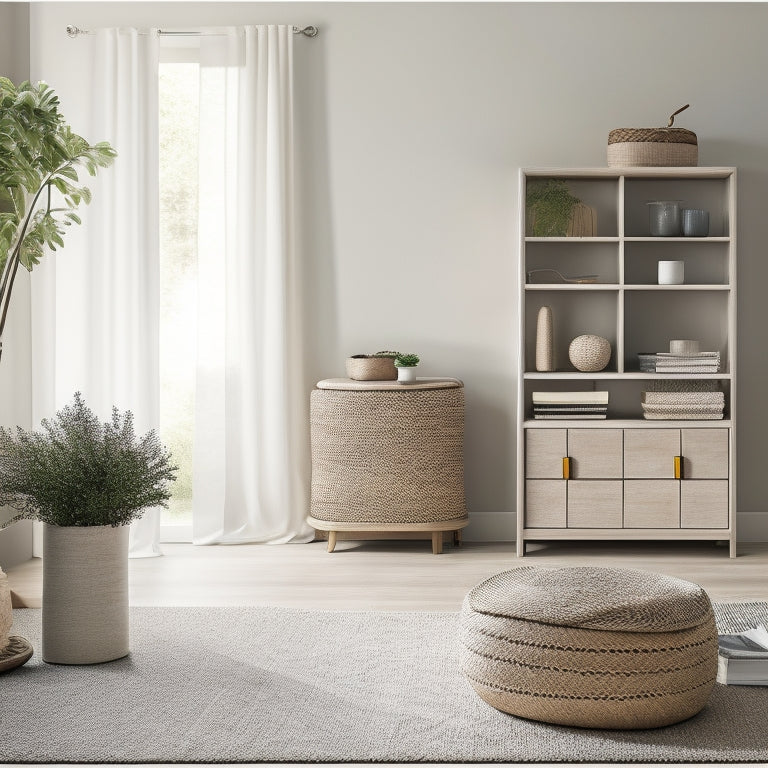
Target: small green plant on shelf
{"type": "Point", "coordinates": [406, 360]}
{"type": "Point", "coordinates": [386, 353]}
{"type": "Point", "coordinates": [549, 205]}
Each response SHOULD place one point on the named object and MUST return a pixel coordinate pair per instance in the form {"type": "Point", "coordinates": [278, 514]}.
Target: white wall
{"type": "Point", "coordinates": [15, 382]}
{"type": "Point", "coordinates": [414, 119]}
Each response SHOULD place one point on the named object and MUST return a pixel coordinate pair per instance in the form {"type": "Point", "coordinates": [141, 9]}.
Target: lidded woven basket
{"type": "Point", "coordinates": [653, 146]}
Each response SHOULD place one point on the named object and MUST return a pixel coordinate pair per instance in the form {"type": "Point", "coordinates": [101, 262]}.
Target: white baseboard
{"type": "Point", "coordinates": [502, 526]}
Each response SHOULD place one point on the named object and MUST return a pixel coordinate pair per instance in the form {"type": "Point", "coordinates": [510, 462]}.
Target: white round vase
{"type": "Point", "coordinates": [85, 594]}
{"type": "Point", "coordinates": [406, 374]}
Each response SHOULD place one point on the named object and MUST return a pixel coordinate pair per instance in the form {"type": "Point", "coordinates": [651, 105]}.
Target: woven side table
{"type": "Point", "coordinates": [387, 459]}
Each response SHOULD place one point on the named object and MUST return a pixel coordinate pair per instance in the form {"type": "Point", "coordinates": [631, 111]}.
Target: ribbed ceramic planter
{"type": "Point", "coordinates": [85, 594]}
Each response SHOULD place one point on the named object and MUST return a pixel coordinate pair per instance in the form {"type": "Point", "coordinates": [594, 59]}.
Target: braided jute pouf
{"type": "Point", "coordinates": [590, 647]}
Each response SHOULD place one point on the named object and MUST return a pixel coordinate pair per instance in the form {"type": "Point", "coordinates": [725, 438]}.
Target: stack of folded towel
{"type": "Point", "coordinates": [700, 362]}
{"type": "Point", "coordinates": [683, 405]}
{"type": "Point", "coordinates": [570, 405]}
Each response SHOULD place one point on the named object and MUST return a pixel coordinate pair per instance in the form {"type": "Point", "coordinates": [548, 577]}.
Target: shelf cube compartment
{"type": "Point", "coordinates": [573, 314]}
{"type": "Point", "coordinates": [653, 318]}
{"type": "Point", "coordinates": [549, 218]}
{"type": "Point", "coordinates": [709, 194]}
{"type": "Point", "coordinates": [703, 263]}
{"type": "Point", "coordinates": [571, 260]}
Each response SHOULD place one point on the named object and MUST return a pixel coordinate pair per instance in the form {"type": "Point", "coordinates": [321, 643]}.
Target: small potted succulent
{"type": "Point", "coordinates": [86, 481]}
{"type": "Point", "coordinates": [406, 367]}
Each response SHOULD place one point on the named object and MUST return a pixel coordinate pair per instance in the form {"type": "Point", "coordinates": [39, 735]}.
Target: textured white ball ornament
{"type": "Point", "coordinates": [589, 353]}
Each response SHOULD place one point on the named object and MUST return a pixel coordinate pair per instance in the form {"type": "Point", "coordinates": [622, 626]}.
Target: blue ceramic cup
{"type": "Point", "coordinates": [695, 222]}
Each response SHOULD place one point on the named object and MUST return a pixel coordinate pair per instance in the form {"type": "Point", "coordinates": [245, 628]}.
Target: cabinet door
{"type": "Point", "coordinates": [595, 503]}
{"type": "Point", "coordinates": [651, 503]}
{"type": "Point", "coordinates": [704, 504]}
{"type": "Point", "coordinates": [705, 453]}
{"type": "Point", "coordinates": [650, 452]}
{"type": "Point", "coordinates": [596, 453]}
{"type": "Point", "coordinates": [544, 452]}
{"type": "Point", "coordinates": [545, 503]}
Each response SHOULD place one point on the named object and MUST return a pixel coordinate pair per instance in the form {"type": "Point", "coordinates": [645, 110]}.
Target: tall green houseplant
{"type": "Point", "coordinates": [40, 189]}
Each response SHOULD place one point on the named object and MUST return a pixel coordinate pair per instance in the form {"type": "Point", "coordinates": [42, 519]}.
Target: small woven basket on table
{"type": "Point", "coordinates": [664, 147]}
{"type": "Point", "coordinates": [371, 368]}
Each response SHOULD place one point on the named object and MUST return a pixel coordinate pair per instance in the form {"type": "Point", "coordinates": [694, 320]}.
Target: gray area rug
{"type": "Point", "coordinates": [271, 684]}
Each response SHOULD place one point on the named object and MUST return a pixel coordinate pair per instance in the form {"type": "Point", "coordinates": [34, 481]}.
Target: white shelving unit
{"type": "Point", "coordinates": [628, 307]}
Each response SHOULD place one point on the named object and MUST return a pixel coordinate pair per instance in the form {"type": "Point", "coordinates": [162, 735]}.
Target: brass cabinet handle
{"type": "Point", "coordinates": [566, 468]}
{"type": "Point", "coordinates": [678, 467]}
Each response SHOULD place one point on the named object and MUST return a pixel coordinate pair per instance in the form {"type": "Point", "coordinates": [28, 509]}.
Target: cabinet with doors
{"type": "Point", "coordinates": [628, 476]}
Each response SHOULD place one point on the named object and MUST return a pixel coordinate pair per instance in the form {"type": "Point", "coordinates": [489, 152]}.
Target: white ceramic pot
{"type": "Point", "coordinates": [406, 374]}
{"type": "Point", "coordinates": [85, 594]}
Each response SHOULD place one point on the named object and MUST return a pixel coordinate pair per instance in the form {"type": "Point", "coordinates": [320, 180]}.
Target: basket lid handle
{"type": "Point", "coordinates": [676, 112]}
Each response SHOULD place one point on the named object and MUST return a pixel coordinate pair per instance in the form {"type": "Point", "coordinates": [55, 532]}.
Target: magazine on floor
{"type": "Point", "coordinates": [743, 657]}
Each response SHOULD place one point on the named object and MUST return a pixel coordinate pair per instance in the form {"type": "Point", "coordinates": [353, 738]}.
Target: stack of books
{"type": "Point", "coordinates": [743, 658]}
{"type": "Point", "coordinates": [570, 405]}
{"type": "Point", "coordinates": [701, 362]}
{"type": "Point", "coordinates": [683, 405]}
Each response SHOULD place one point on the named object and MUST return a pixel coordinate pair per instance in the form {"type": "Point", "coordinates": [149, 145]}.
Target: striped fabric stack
{"type": "Point", "coordinates": [701, 362]}
{"type": "Point", "coordinates": [570, 405]}
{"type": "Point", "coordinates": [683, 405]}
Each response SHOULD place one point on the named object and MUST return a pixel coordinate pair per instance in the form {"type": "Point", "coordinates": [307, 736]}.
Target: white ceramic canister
{"type": "Point", "coordinates": [671, 272]}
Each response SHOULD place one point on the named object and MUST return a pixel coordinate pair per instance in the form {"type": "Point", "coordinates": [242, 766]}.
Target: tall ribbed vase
{"type": "Point", "coordinates": [545, 354]}
{"type": "Point", "coordinates": [85, 594]}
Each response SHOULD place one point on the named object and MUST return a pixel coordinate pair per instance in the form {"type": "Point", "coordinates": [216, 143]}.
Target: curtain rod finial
{"type": "Point", "coordinates": [310, 31]}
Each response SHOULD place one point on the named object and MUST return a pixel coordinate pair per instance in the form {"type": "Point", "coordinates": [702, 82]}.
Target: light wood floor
{"type": "Point", "coordinates": [397, 575]}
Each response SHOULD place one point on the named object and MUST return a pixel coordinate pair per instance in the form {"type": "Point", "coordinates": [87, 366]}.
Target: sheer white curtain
{"type": "Point", "coordinates": [251, 462]}
{"type": "Point", "coordinates": [95, 306]}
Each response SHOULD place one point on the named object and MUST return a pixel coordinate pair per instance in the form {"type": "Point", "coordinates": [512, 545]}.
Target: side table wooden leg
{"type": "Point", "coordinates": [437, 542]}
{"type": "Point", "coordinates": [457, 538]}
{"type": "Point", "coordinates": [331, 540]}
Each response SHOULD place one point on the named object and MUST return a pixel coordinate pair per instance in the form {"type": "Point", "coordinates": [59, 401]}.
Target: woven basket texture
{"type": "Point", "coordinates": [631, 154]}
{"type": "Point", "coordinates": [653, 135]}
{"type": "Point", "coordinates": [388, 456]}
{"type": "Point", "coordinates": [671, 147]}
{"type": "Point", "coordinates": [590, 647]}
{"type": "Point", "coordinates": [371, 368]}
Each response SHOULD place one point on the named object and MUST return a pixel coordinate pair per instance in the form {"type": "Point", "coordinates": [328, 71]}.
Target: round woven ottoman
{"type": "Point", "coordinates": [590, 647]}
{"type": "Point", "coordinates": [388, 457]}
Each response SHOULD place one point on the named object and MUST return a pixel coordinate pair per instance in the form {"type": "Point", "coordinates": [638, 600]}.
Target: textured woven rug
{"type": "Point", "coordinates": [271, 684]}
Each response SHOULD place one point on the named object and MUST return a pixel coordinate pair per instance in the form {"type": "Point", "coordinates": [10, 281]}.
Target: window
{"type": "Point", "coordinates": [179, 130]}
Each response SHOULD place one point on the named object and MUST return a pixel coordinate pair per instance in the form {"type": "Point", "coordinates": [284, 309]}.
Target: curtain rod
{"type": "Point", "coordinates": [308, 31]}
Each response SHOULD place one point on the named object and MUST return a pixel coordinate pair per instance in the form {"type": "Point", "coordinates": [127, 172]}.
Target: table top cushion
{"type": "Point", "coordinates": [420, 383]}
{"type": "Point", "coordinates": [593, 598]}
